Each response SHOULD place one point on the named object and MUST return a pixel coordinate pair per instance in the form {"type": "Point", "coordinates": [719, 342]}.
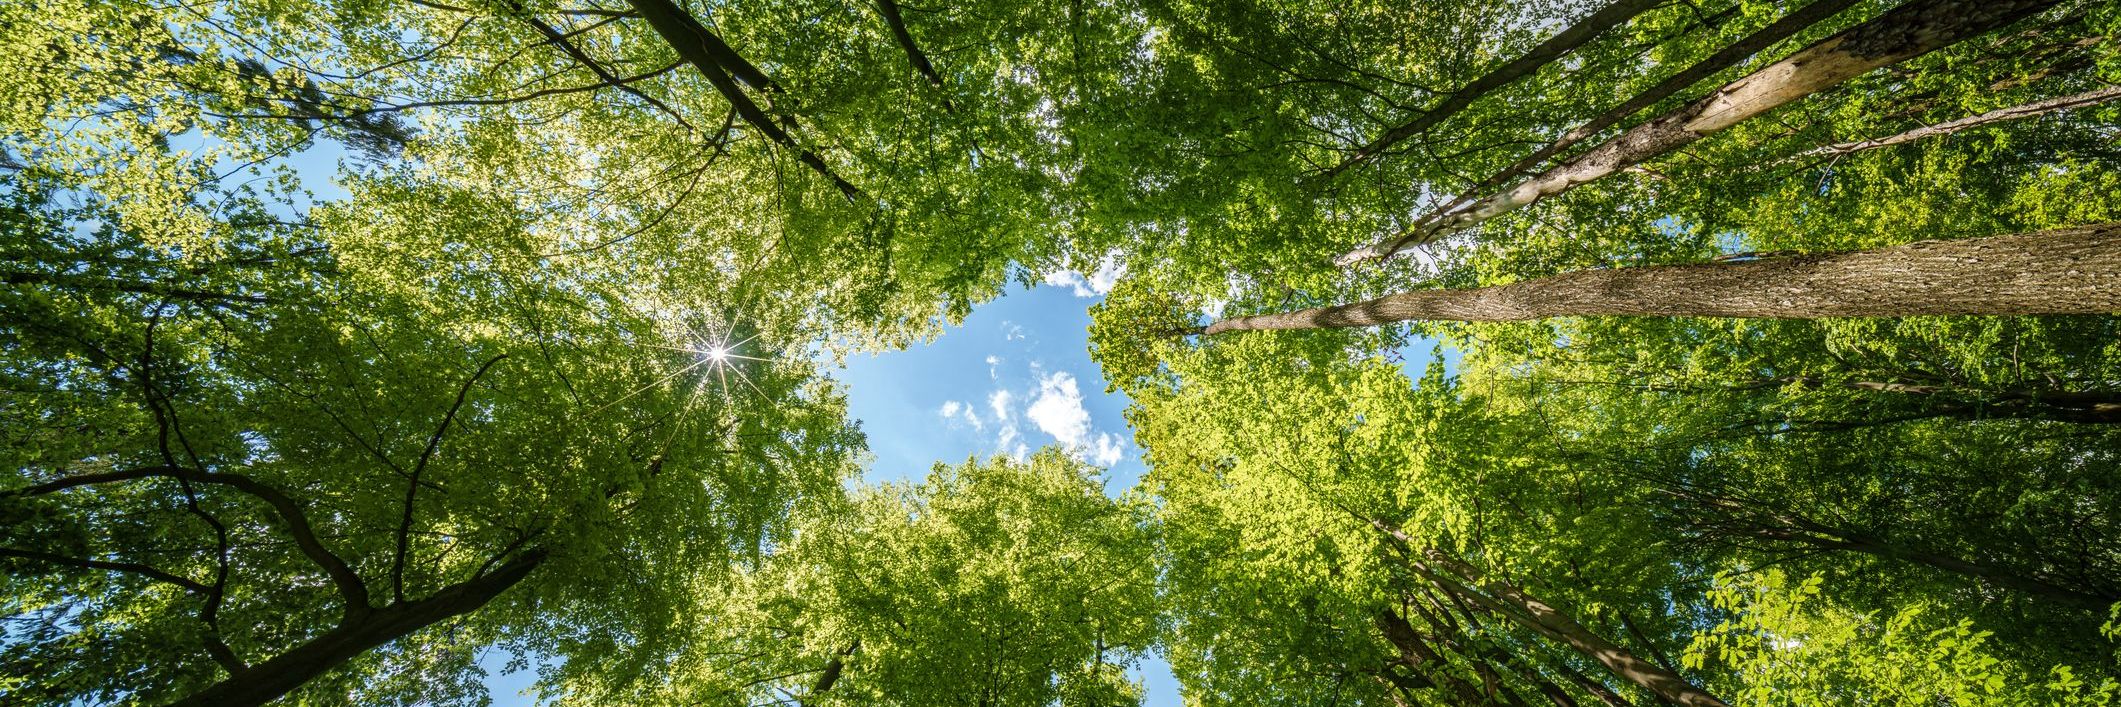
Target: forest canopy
{"type": "Point", "coordinates": [1775, 350]}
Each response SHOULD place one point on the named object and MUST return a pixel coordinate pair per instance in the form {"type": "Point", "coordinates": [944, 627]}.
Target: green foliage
{"type": "Point", "coordinates": [563, 308]}
{"type": "Point", "coordinates": [992, 582]}
{"type": "Point", "coordinates": [1783, 647]}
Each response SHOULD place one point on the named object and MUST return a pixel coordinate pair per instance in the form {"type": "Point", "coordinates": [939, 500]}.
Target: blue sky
{"type": "Point", "coordinates": [1014, 377]}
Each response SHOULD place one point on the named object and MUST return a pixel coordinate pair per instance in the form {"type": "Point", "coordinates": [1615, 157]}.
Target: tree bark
{"type": "Point", "coordinates": [1724, 58]}
{"type": "Point", "coordinates": [2029, 110]}
{"type": "Point", "coordinates": [707, 53]}
{"type": "Point", "coordinates": [1574, 36]}
{"type": "Point", "coordinates": [2032, 586]}
{"type": "Point", "coordinates": [897, 22]}
{"type": "Point", "coordinates": [1906, 32]}
{"type": "Point", "coordinates": [274, 678]}
{"type": "Point", "coordinates": [2060, 271]}
{"type": "Point", "coordinates": [1416, 654]}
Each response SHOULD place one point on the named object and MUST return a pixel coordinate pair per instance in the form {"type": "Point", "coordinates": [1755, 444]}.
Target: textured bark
{"type": "Point", "coordinates": [1906, 32]}
{"type": "Point", "coordinates": [274, 678]}
{"type": "Point", "coordinates": [1574, 36]}
{"type": "Point", "coordinates": [2060, 271]}
{"type": "Point", "coordinates": [1730, 55]}
{"type": "Point", "coordinates": [2099, 408]}
{"type": "Point", "coordinates": [2029, 110]}
{"type": "Point", "coordinates": [2031, 586]}
{"type": "Point", "coordinates": [708, 54]}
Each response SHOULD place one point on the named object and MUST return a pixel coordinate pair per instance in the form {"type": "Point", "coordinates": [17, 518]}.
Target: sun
{"type": "Point", "coordinates": [714, 350]}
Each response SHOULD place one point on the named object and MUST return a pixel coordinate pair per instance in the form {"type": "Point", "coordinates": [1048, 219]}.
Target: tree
{"type": "Point", "coordinates": [1904, 33]}
{"type": "Point", "coordinates": [317, 460]}
{"type": "Point", "coordinates": [2061, 271]}
{"type": "Point", "coordinates": [991, 582]}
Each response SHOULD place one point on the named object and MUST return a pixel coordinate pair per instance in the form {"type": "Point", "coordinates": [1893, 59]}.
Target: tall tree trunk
{"type": "Point", "coordinates": [897, 22]}
{"type": "Point", "coordinates": [363, 630]}
{"type": "Point", "coordinates": [1574, 36]}
{"type": "Point", "coordinates": [1730, 55]}
{"type": "Point", "coordinates": [1553, 624]}
{"type": "Point", "coordinates": [2031, 586]}
{"type": "Point", "coordinates": [2029, 110]}
{"type": "Point", "coordinates": [2060, 271]}
{"type": "Point", "coordinates": [707, 53]}
{"type": "Point", "coordinates": [1909, 31]}
{"type": "Point", "coordinates": [1452, 575]}
{"type": "Point", "coordinates": [1416, 654]}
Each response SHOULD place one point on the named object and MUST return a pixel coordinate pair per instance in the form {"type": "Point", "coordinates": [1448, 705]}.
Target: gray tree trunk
{"type": "Point", "coordinates": [1906, 32]}
{"type": "Point", "coordinates": [2060, 271]}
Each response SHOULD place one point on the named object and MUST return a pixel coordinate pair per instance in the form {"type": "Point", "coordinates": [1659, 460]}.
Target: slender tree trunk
{"type": "Point", "coordinates": [1727, 57]}
{"type": "Point", "coordinates": [362, 631]}
{"type": "Point", "coordinates": [1452, 575]}
{"type": "Point", "coordinates": [1752, 519]}
{"type": "Point", "coordinates": [1911, 30]}
{"type": "Point", "coordinates": [2060, 271]}
{"type": "Point", "coordinates": [707, 53]}
{"type": "Point", "coordinates": [2059, 405]}
{"type": "Point", "coordinates": [2032, 586]}
{"type": "Point", "coordinates": [2029, 110]}
{"type": "Point", "coordinates": [1574, 36]}
{"type": "Point", "coordinates": [897, 22]}
{"type": "Point", "coordinates": [1416, 654]}
{"type": "Point", "coordinates": [1555, 625]}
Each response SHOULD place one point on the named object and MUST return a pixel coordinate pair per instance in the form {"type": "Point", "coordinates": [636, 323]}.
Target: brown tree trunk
{"type": "Point", "coordinates": [1452, 575]}
{"type": "Point", "coordinates": [2032, 586]}
{"type": "Point", "coordinates": [1416, 654]}
{"type": "Point", "coordinates": [1555, 625]}
{"type": "Point", "coordinates": [1574, 36]}
{"type": "Point", "coordinates": [717, 62]}
{"type": "Point", "coordinates": [897, 22]}
{"type": "Point", "coordinates": [362, 631]}
{"type": "Point", "coordinates": [2061, 271]}
{"type": "Point", "coordinates": [1909, 31]}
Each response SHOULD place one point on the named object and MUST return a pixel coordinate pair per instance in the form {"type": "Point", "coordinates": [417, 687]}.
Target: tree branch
{"type": "Point", "coordinates": [1999, 115]}
{"type": "Point", "coordinates": [350, 587]}
{"type": "Point", "coordinates": [1576, 35]}
{"type": "Point", "coordinates": [557, 39]}
{"type": "Point", "coordinates": [124, 567]}
{"type": "Point", "coordinates": [412, 487]}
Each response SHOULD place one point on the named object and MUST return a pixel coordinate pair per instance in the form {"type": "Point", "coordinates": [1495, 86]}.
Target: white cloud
{"type": "Point", "coordinates": [1107, 451]}
{"type": "Point", "coordinates": [994, 367]}
{"type": "Point", "coordinates": [1011, 331]}
{"type": "Point", "coordinates": [1109, 271]}
{"type": "Point", "coordinates": [998, 402]}
{"type": "Point", "coordinates": [955, 411]}
{"type": "Point", "coordinates": [1058, 410]}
